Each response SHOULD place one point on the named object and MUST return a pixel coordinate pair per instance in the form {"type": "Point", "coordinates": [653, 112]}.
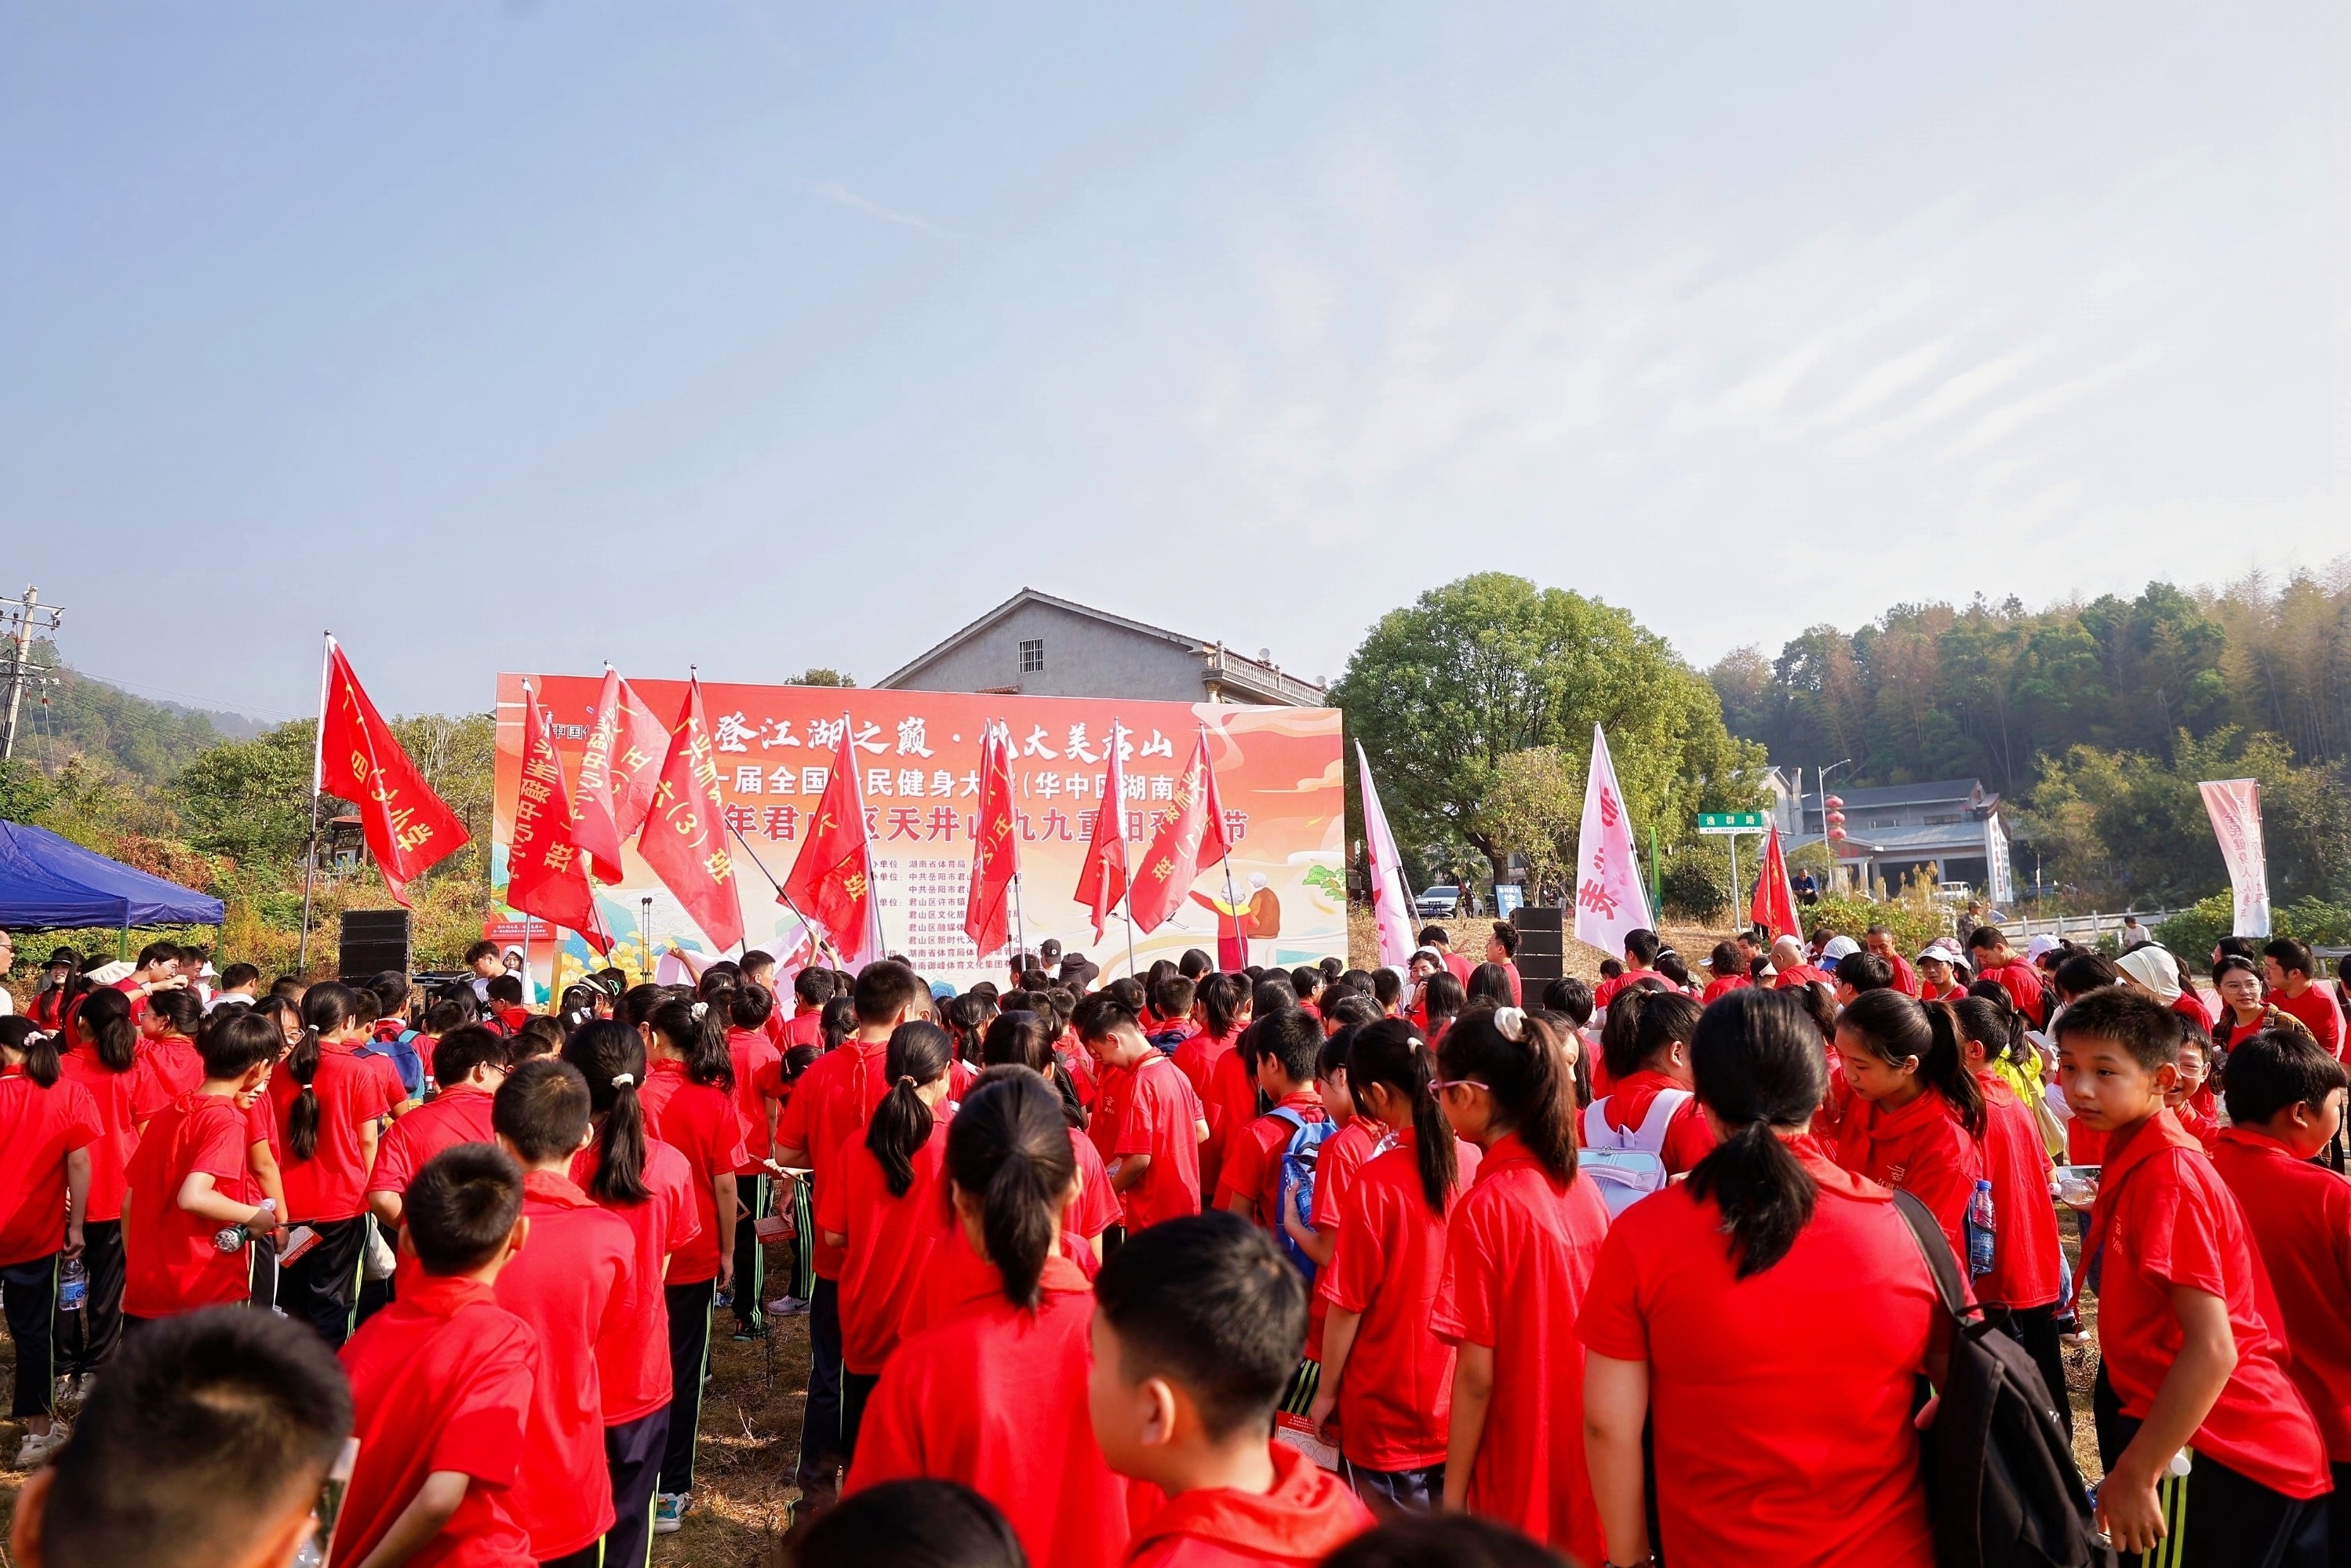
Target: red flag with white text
{"type": "Point", "coordinates": [831, 881]}
{"type": "Point", "coordinates": [545, 873]}
{"type": "Point", "coordinates": [995, 850]}
{"type": "Point", "coordinates": [685, 836]}
{"type": "Point", "coordinates": [408, 828]}
{"type": "Point", "coordinates": [1101, 879]}
{"type": "Point", "coordinates": [1178, 843]}
{"type": "Point", "coordinates": [1775, 904]}
{"type": "Point", "coordinates": [619, 772]}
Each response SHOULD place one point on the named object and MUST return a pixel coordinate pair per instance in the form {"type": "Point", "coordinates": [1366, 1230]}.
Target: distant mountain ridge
{"type": "Point", "coordinates": [138, 737]}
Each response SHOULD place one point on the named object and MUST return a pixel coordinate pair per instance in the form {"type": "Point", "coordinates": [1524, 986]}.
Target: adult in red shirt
{"type": "Point", "coordinates": [1502, 950]}
{"type": "Point", "coordinates": [1148, 1124]}
{"type": "Point", "coordinates": [1650, 1070]}
{"type": "Point", "coordinates": [1728, 970]}
{"type": "Point", "coordinates": [330, 1104]}
{"type": "Point", "coordinates": [1456, 965]}
{"type": "Point", "coordinates": [1879, 939]}
{"type": "Point", "coordinates": [441, 1381]}
{"type": "Point", "coordinates": [191, 1178]}
{"type": "Point", "coordinates": [1385, 1371]}
{"type": "Point", "coordinates": [1770, 1445]}
{"type": "Point", "coordinates": [994, 1395]}
{"type": "Point", "coordinates": [2292, 974]}
{"type": "Point", "coordinates": [1939, 964]}
{"type": "Point", "coordinates": [1917, 1120]}
{"type": "Point", "coordinates": [759, 1069]}
{"type": "Point", "coordinates": [1519, 1253]}
{"type": "Point", "coordinates": [1995, 961]}
{"type": "Point", "coordinates": [469, 1062]}
{"type": "Point", "coordinates": [571, 1285]}
{"type": "Point", "coordinates": [1790, 969]}
{"type": "Point", "coordinates": [2026, 1259]}
{"type": "Point", "coordinates": [47, 1126]}
{"type": "Point", "coordinates": [102, 1056]}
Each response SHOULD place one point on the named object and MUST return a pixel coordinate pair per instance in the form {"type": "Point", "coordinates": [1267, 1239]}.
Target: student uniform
{"type": "Point", "coordinates": [1921, 1148]}
{"type": "Point", "coordinates": [2316, 1010]}
{"type": "Point", "coordinates": [570, 1282]}
{"type": "Point", "coordinates": [327, 1192]}
{"type": "Point", "coordinates": [1307, 1516]}
{"type": "Point", "coordinates": [1152, 1110]}
{"type": "Point", "coordinates": [38, 1129]}
{"type": "Point", "coordinates": [1630, 1101]}
{"type": "Point", "coordinates": [2022, 983]}
{"type": "Point", "coordinates": [1722, 986]}
{"type": "Point", "coordinates": [1252, 1168]}
{"type": "Point", "coordinates": [890, 1241]}
{"type": "Point", "coordinates": [441, 1380]}
{"type": "Point", "coordinates": [993, 1397]}
{"type": "Point", "coordinates": [1775, 1442]}
{"type": "Point", "coordinates": [2026, 1255]}
{"type": "Point", "coordinates": [2256, 1492]}
{"type": "Point", "coordinates": [455, 1115]}
{"type": "Point", "coordinates": [635, 1369]}
{"type": "Point", "coordinates": [1198, 1057]}
{"type": "Point", "coordinates": [1228, 1103]}
{"type": "Point", "coordinates": [700, 1122]}
{"type": "Point", "coordinates": [1518, 1254]}
{"type": "Point", "coordinates": [759, 1075]}
{"type": "Point", "coordinates": [167, 1068]}
{"type": "Point", "coordinates": [86, 1340]}
{"type": "Point", "coordinates": [1097, 1208]}
{"type": "Point", "coordinates": [172, 1266]}
{"type": "Point", "coordinates": [1395, 1392]}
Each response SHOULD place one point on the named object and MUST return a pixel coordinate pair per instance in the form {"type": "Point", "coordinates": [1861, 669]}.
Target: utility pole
{"type": "Point", "coordinates": [21, 618]}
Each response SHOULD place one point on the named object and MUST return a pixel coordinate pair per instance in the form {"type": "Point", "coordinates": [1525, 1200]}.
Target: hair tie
{"type": "Point", "coordinates": [698, 1010]}
{"type": "Point", "coordinates": [622, 1079]}
{"type": "Point", "coordinates": [907, 1080]}
{"type": "Point", "coordinates": [1511, 1023]}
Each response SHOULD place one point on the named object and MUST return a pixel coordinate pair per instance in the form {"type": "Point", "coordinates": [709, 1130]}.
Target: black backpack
{"type": "Point", "coordinates": [2001, 1485]}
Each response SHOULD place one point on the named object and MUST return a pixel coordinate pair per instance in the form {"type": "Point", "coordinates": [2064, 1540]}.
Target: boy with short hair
{"type": "Point", "coordinates": [505, 1002]}
{"type": "Point", "coordinates": [469, 1062]}
{"type": "Point", "coordinates": [1147, 1122]}
{"type": "Point", "coordinates": [239, 983]}
{"type": "Point", "coordinates": [812, 988]}
{"type": "Point", "coordinates": [1171, 1003]}
{"type": "Point", "coordinates": [2290, 969]}
{"type": "Point", "coordinates": [1249, 1181]}
{"type": "Point", "coordinates": [1196, 1327]}
{"type": "Point", "coordinates": [571, 1285]}
{"type": "Point", "coordinates": [190, 1177]}
{"type": "Point", "coordinates": [2192, 1353]}
{"type": "Point", "coordinates": [442, 1380]}
{"type": "Point", "coordinates": [1989, 951]}
{"type": "Point", "coordinates": [2286, 1098]}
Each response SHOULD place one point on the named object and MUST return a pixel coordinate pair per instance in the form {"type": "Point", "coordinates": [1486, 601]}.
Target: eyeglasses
{"type": "Point", "coordinates": [1442, 1084]}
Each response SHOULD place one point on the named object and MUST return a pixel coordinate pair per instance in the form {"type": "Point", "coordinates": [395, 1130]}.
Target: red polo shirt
{"type": "Point", "coordinates": [115, 1096]}
{"type": "Point", "coordinates": [38, 1128]}
{"type": "Point", "coordinates": [570, 1284]}
{"type": "Point", "coordinates": [1252, 1168]}
{"type": "Point", "coordinates": [454, 1116]}
{"type": "Point", "coordinates": [1338, 1164]}
{"type": "Point", "coordinates": [2318, 1013]}
{"type": "Point", "coordinates": [993, 1397]}
{"type": "Point", "coordinates": [1518, 1254]}
{"type": "Point", "coordinates": [890, 1241]}
{"type": "Point", "coordinates": [700, 1122]}
{"type": "Point", "coordinates": [1157, 1115]}
{"type": "Point", "coordinates": [441, 1380]}
{"type": "Point", "coordinates": [1775, 1446]}
{"type": "Point", "coordinates": [2022, 982]}
{"type": "Point", "coordinates": [1308, 1515]}
{"type": "Point", "coordinates": [2025, 1250]}
{"type": "Point", "coordinates": [635, 1367]}
{"type": "Point", "coordinates": [2164, 1218]}
{"type": "Point", "coordinates": [170, 1265]}
{"type": "Point", "coordinates": [2300, 1217]}
{"type": "Point", "coordinates": [1198, 1057]}
{"type": "Point", "coordinates": [1396, 1393]}
{"type": "Point", "coordinates": [1922, 1149]}
{"type": "Point", "coordinates": [1605, 991]}
{"type": "Point", "coordinates": [1688, 1137]}
{"type": "Point", "coordinates": [1098, 1207]}
{"type": "Point", "coordinates": [1722, 986]}
{"type": "Point", "coordinates": [829, 1108]}
{"type": "Point", "coordinates": [757, 1068]}
{"type": "Point", "coordinates": [1802, 975]}
{"type": "Point", "coordinates": [168, 1068]}
{"type": "Point", "coordinates": [352, 1092]}
{"type": "Point", "coordinates": [1228, 1102]}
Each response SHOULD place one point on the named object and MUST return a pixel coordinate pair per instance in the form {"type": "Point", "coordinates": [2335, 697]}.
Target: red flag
{"type": "Point", "coordinates": [1173, 860]}
{"type": "Point", "coordinates": [995, 850]}
{"type": "Point", "coordinates": [1101, 880]}
{"type": "Point", "coordinates": [1215, 841]}
{"type": "Point", "coordinates": [408, 826]}
{"type": "Point", "coordinates": [546, 874]}
{"type": "Point", "coordinates": [684, 837]}
{"type": "Point", "coordinates": [618, 774]}
{"type": "Point", "coordinates": [1774, 906]}
{"type": "Point", "coordinates": [832, 882]}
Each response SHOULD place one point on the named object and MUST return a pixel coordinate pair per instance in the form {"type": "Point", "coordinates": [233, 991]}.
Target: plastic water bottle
{"type": "Point", "coordinates": [73, 1286]}
{"type": "Point", "coordinates": [1983, 1225]}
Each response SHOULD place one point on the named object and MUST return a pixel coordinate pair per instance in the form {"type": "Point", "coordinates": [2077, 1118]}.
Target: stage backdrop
{"type": "Point", "coordinates": [1277, 769]}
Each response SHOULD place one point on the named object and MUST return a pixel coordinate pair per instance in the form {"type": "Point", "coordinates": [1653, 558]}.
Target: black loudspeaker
{"type": "Point", "coordinates": [374, 940]}
{"type": "Point", "coordinates": [1541, 956]}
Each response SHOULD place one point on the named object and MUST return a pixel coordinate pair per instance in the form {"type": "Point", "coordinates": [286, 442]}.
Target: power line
{"type": "Point", "coordinates": [19, 619]}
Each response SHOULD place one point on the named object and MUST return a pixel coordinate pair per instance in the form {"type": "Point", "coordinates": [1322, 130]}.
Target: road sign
{"type": "Point", "coordinates": [1730, 822]}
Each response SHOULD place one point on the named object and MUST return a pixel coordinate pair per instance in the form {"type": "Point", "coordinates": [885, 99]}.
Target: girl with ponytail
{"type": "Point", "coordinates": [1017, 1038]}
{"type": "Point", "coordinates": [101, 1054]}
{"type": "Point", "coordinates": [993, 1394]}
{"type": "Point", "coordinates": [46, 1127]}
{"type": "Point", "coordinates": [1772, 1443]}
{"type": "Point", "coordinates": [1917, 1120]}
{"type": "Point", "coordinates": [2026, 1255]}
{"type": "Point", "coordinates": [1384, 1370]}
{"type": "Point", "coordinates": [1519, 1252]}
{"type": "Point", "coordinates": [651, 1188]}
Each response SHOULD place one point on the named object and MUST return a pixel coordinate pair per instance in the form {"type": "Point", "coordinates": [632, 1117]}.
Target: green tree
{"type": "Point", "coordinates": [819, 676]}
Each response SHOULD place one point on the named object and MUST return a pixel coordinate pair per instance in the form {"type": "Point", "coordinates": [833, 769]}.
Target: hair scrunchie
{"type": "Point", "coordinates": [1511, 1023]}
{"type": "Point", "coordinates": [698, 1010]}
{"type": "Point", "coordinates": [623, 1079]}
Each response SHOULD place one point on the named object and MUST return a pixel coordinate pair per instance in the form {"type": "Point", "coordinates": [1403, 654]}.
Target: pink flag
{"type": "Point", "coordinates": [2235, 807]}
{"type": "Point", "coordinates": [1392, 906]}
{"type": "Point", "coordinates": [1609, 900]}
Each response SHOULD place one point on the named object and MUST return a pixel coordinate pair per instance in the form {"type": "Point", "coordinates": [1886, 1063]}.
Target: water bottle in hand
{"type": "Point", "coordinates": [73, 1286]}
{"type": "Point", "coordinates": [1982, 1228]}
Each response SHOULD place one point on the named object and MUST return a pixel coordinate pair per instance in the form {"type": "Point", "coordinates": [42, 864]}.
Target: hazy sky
{"type": "Point", "coordinates": [765, 336]}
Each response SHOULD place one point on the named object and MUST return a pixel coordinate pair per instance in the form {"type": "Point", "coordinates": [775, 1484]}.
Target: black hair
{"type": "Point", "coordinates": [1507, 936]}
{"type": "Point", "coordinates": [698, 1032]}
{"type": "Point", "coordinates": [327, 1007]}
{"type": "Point", "coordinates": [1352, 1009]}
{"type": "Point", "coordinates": [2275, 1070]}
{"type": "Point", "coordinates": [1895, 1028]}
{"type": "Point", "coordinates": [838, 1021]}
{"type": "Point", "coordinates": [1195, 964]}
{"type": "Point", "coordinates": [1221, 999]}
{"type": "Point", "coordinates": [1866, 972]}
{"type": "Point", "coordinates": [918, 1523]}
{"type": "Point", "coordinates": [183, 1010]}
{"type": "Point", "coordinates": [478, 951]}
{"type": "Point", "coordinates": [1008, 1148]}
{"type": "Point", "coordinates": [1724, 962]}
{"type": "Point", "coordinates": [456, 1053]}
{"type": "Point", "coordinates": [1533, 1089]}
{"type": "Point", "coordinates": [1443, 1541]}
{"type": "Point", "coordinates": [454, 1009]}
{"type": "Point", "coordinates": [2234, 963]}
{"type": "Point", "coordinates": [749, 1007]}
{"type": "Point", "coordinates": [460, 1208]}
{"type": "Point", "coordinates": [1387, 987]}
{"type": "Point", "coordinates": [1442, 998]}
{"type": "Point", "coordinates": [1273, 994]}
{"type": "Point", "coordinates": [1990, 1023]}
{"type": "Point", "coordinates": [1308, 980]}
{"type": "Point", "coordinates": [1392, 1052]}
{"type": "Point", "coordinates": [812, 986]}
{"type": "Point", "coordinates": [1172, 997]}
{"type": "Point", "coordinates": [2084, 973]}
{"type": "Point", "coordinates": [1291, 1038]}
{"type": "Point", "coordinates": [542, 1109]}
{"type": "Point", "coordinates": [1101, 1015]}
{"type": "Point", "coordinates": [204, 1428]}
{"type": "Point", "coordinates": [1611, 967]}
{"type": "Point", "coordinates": [234, 1045]}
{"type": "Point", "coordinates": [1642, 945]}
{"type": "Point", "coordinates": [2291, 957]}
{"type": "Point", "coordinates": [1332, 1059]}
{"type": "Point", "coordinates": [1491, 983]}
{"type": "Point", "coordinates": [606, 1050]}
{"type": "Point", "coordinates": [1209, 1302]}
{"type": "Point", "coordinates": [577, 1006]}
{"type": "Point", "coordinates": [884, 989]}
{"type": "Point", "coordinates": [539, 1036]}
{"type": "Point", "coordinates": [1665, 1018]}
{"type": "Point", "coordinates": [1758, 1065]}
{"type": "Point", "coordinates": [1986, 936]}
{"type": "Point", "coordinates": [506, 989]}
{"type": "Point", "coordinates": [1669, 963]}
{"type": "Point", "coordinates": [1433, 937]}
{"type": "Point", "coordinates": [1018, 1038]}
{"type": "Point", "coordinates": [2237, 947]}
{"type": "Point", "coordinates": [22, 1037]}
{"type": "Point", "coordinates": [237, 975]}
{"type": "Point", "coordinates": [158, 953]}
{"type": "Point", "coordinates": [1130, 993]}
{"type": "Point", "coordinates": [1570, 996]}
{"type": "Point", "coordinates": [917, 1057]}
{"type": "Point", "coordinates": [725, 972]}
{"type": "Point", "coordinates": [2131, 1019]}
{"type": "Point", "coordinates": [105, 1016]}
{"type": "Point", "coordinates": [638, 1003]}
{"type": "Point", "coordinates": [754, 960]}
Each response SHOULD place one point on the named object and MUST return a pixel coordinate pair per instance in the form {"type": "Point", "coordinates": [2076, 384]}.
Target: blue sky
{"type": "Point", "coordinates": [765, 336]}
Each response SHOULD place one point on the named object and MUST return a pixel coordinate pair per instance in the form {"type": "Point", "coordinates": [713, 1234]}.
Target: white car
{"type": "Point", "coordinates": [1444, 899]}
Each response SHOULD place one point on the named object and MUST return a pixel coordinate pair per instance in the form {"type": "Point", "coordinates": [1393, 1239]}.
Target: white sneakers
{"type": "Point", "coordinates": [38, 1447]}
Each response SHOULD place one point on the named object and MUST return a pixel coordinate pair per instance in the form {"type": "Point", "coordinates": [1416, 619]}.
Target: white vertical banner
{"type": "Point", "coordinates": [1392, 904]}
{"type": "Point", "coordinates": [2235, 807]}
{"type": "Point", "coordinates": [1609, 899]}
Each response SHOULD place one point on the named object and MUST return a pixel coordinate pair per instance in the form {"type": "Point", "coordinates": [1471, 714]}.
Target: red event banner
{"type": "Point", "coordinates": [1277, 778]}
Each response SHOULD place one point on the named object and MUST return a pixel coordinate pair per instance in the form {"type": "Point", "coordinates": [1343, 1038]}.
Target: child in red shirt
{"type": "Point", "coordinates": [994, 1395]}
{"type": "Point", "coordinates": [100, 1052]}
{"type": "Point", "coordinates": [1916, 1121]}
{"type": "Point", "coordinates": [1289, 1045]}
{"type": "Point", "coordinates": [2188, 1322]}
{"type": "Point", "coordinates": [757, 1096]}
{"type": "Point", "coordinates": [1519, 1253]}
{"type": "Point", "coordinates": [330, 1104]}
{"type": "Point", "coordinates": [1197, 1325]}
{"type": "Point", "coordinates": [571, 1285]}
{"type": "Point", "coordinates": [47, 1126]}
{"type": "Point", "coordinates": [469, 1062]}
{"type": "Point", "coordinates": [2187, 1100]}
{"type": "Point", "coordinates": [441, 1381]}
{"type": "Point", "coordinates": [1645, 1044]}
{"type": "Point", "coordinates": [1148, 1124]}
{"type": "Point", "coordinates": [1338, 1161]}
{"type": "Point", "coordinates": [1384, 1369]}
{"type": "Point", "coordinates": [1018, 1040]}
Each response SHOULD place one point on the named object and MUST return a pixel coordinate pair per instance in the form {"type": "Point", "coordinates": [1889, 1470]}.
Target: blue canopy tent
{"type": "Point", "coordinates": [46, 882]}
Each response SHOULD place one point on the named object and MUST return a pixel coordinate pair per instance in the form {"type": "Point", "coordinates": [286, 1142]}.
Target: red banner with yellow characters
{"type": "Point", "coordinates": [1278, 773]}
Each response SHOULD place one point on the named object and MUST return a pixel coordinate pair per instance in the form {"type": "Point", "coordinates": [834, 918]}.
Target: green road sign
{"type": "Point", "coordinates": [1730, 822]}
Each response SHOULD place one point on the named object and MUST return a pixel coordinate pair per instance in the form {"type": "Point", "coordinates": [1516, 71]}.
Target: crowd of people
{"type": "Point", "coordinates": [1277, 1266]}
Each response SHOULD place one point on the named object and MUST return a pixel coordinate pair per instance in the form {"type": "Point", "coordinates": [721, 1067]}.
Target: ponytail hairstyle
{"type": "Point", "coordinates": [917, 1058]}
{"type": "Point", "coordinates": [183, 1010]}
{"type": "Point", "coordinates": [327, 1007]}
{"type": "Point", "coordinates": [1757, 1064]}
{"type": "Point", "coordinates": [1222, 998]}
{"type": "Point", "coordinates": [23, 1041]}
{"type": "Point", "coordinates": [577, 1010]}
{"type": "Point", "coordinates": [1518, 1057]}
{"type": "Point", "coordinates": [1490, 983]}
{"type": "Point", "coordinates": [104, 1020]}
{"type": "Point", "coordinates": [967, 1018]}
{"type": "Point", "coordinates": [698, 1032]}
{"type": "Point", "coordinates": [612, 1057]}
{"type": "Point", "coordinates": [838, 1021]}
{"type": "Point", "coordinates": [637, 1004]}
{"type": "Point", "coordinates": [1442, 999]}
{"type": "Point", "coordinates": [1991, 1024]}
{"type": "Point", "coordinates": [1008, 1148]}
{"type": "Point", "coordinates": [1016, 1038]}
{"type": "Point", "coordinates": [1620, 1032]}
{"type": "Point", "coordinates": [1391, 1051]}
{"type": "Point", "coordinates": [1893, 1028]}
{"type": "Point", "coordinates": [1670, 1018]}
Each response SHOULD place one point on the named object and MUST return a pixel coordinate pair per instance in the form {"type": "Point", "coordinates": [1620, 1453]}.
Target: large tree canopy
{"type": "Point", "coordinates": [1443, 692]}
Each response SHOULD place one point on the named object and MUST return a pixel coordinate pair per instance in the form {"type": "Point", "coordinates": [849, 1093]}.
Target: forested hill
{"type": "Point", "coordinates": [134, 737]}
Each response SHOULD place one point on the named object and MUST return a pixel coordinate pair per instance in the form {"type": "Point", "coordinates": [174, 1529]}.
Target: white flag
{"type": "Point", "coordinates": [2235, 807]}
{"type": "Point", "coordinates": [1392, 903]}
{"type": "Point", "coordinates": [1608, 897]}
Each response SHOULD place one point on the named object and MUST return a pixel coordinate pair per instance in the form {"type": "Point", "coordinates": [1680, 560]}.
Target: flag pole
{"type": "Point", "coordinates": [1125, 855]}
{"type": "Point", "coordinates": [815, 931]}
{"type": "Point", "coordinates": [1232, 899]}
{"type": "Point", "coordinates": [318, 778]}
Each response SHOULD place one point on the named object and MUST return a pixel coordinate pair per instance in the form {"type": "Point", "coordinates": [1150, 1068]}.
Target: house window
{"type": "Point", "coordinates": [1032, 655]}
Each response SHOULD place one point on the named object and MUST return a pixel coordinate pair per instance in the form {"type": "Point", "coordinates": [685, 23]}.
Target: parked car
{"type": "Point", "coordinates": [1443, 900]}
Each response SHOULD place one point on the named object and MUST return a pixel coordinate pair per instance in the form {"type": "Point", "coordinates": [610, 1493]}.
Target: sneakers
{"type": "Point", "coordinates": [786, 1307]}
{"type": "Point", "coordinates": [37, 1449]}
{"type": "Point", "coordinates": [750, 1332]}
{"type": "Point", "coordinates": [669, 1511]}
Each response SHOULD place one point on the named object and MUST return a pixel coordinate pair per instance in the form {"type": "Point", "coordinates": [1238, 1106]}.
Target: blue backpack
{"type": "Point", "coordinates": [1298, 1158]}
